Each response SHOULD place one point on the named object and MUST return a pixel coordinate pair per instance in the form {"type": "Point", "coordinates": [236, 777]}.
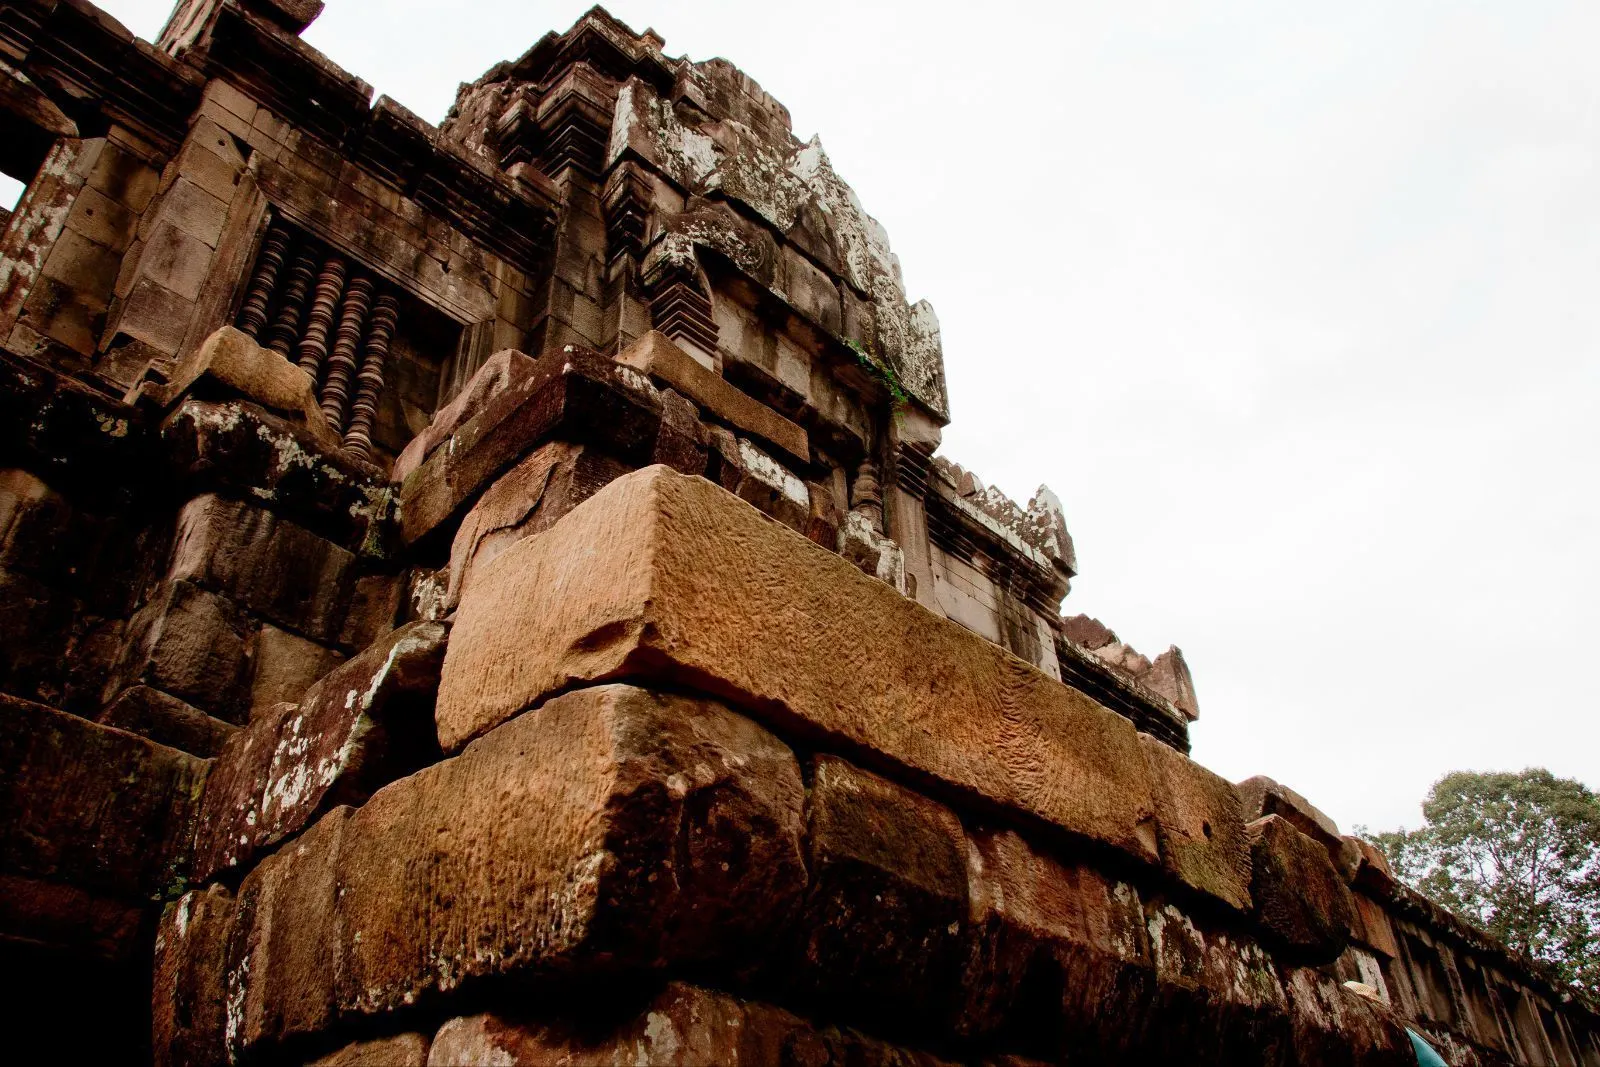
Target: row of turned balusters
{"type": "Point", "coordinates": [333, 320]}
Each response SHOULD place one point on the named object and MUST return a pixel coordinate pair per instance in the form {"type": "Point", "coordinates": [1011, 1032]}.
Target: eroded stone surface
{"type": "Point", "coordinates": [1300, 900]}
{"type": "Point", "coordinates": [1201, 825]}
{"type": "Point", "coordinates": [690, 574]}
{"type": "Point", "coordinates": [1051, 946]}
{"type": "Point", "coordinates": [611, 828]}
{"type": "Point", "coordinates": [91, 805]}
{"type": "Point", "coordinates": [363, 725]}
{"type": "Point", "coordinates": [888, 893]}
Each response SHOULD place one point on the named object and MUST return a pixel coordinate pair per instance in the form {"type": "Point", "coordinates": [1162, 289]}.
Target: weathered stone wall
{"type": "Point", "coordinates": [486, 594]}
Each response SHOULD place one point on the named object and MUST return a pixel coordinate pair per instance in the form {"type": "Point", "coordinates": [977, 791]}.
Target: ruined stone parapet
{"type": "Point", "coordinates": [1166, 678]}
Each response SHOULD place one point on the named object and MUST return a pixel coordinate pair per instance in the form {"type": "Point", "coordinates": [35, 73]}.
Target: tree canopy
{"type": "Point", "coordinates": [1517, 853]}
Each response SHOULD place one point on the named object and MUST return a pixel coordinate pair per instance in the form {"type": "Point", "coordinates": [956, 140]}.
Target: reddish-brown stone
{"type": "Point", "coordinates": [1201, 825]}
{"type": "Point", "coordinates": [189, 1009]}
{"type": "Point", "coordinates": [611, 828]}
{"type": "Point", "coordinates": [273, 567]}
{"type": "Point", "coordinates": [283, 666]}
{"type": "Point", "coordinates": [93, 806]}
{"type": "Point", "coordinates": [1052, 948]}
{"type": "Point", "coordinates": [64, 917]}
{"type": "Point", "coordinates": [1262, 796]}
{"type": "Point", "coordinates": [189, 642]}
{"type": "Point", "coordinates": [401, 1050]}
{"type": "Point", "coordinates": [365, 724]}
{"type": "Point", "coordinates": [570, 393]}
{"type": "Point", "coordinates": [698, 588]}
{"type": "Point", "coordinates": [528, 499]}
{"type": "Point", "coordinates": [1300, 901]}
{"type": "Point", "coordinates": [882, 918]}
{"type": "Point", "coordinates": [1333, 1027]}
{"type": "Point", "coordinates": [166, 720]}
{"type": "Point", "coordinates": [498, 373]}
{"type": "Point", "coordinates": [682, 1025]}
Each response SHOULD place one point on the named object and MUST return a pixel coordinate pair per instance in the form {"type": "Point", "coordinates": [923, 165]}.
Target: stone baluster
{"type": "Point", "coordinates": [253, 312]}
{"type": "Point", "coordinates": [286, 329]}
{"type": "Point", "coordinates": [364, 411]}
{"type": "Point", "coordinates": [866, 495]}
{"type": "Point", "coordinates": [346, 343]}
{"type": "Point", "coordinates": [313, 351]}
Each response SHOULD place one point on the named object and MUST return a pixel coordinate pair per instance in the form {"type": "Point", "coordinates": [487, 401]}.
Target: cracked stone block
{"type": "Point", "coordinates": [666, 577]}
{"type": "Point", "coordinates": [1300, 901]}
{"type": "Point", "coordinates": [280, 571]}
{"type": "Point", "coordinates": [189, 642]}
{"type": "Point", "coordinates": [368, 722]}
{"type": "Point", "coordinates": [612, 829]}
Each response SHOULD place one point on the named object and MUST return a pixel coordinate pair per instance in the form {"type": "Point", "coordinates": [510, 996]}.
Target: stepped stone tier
{"type": "Point", "coordinates": [487, 593]}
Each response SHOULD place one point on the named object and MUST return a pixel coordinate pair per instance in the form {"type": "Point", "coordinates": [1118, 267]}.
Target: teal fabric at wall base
{"type": "Point", "coordinates": [1426, 1057]}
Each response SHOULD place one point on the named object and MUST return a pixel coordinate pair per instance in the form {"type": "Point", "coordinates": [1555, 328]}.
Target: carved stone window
{"type": "Point", "coordinates": [374, 353]}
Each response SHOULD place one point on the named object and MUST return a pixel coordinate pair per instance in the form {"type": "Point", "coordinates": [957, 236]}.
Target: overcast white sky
{"type": "Point", "coordinates": [1296, 306]}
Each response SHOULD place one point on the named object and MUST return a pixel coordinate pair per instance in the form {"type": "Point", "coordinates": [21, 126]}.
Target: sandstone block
{"type": "Point", "coordinates": [528, 499]}
{"type": "Point", "coordinates": [882, 919]}
{"type": "Point", "coordinates": [166, 720]}
{"type": "Point", "coordinates": [871, 551]}
{"type": "Point", "coordinates": [34, 520]}
{"type": "Point", "coordinates": [1262, 796]}
{"type": "Point", "coordinates": [401, 1050]}
{"type": "Point", "coordinates": [1060, 941]}
{"type": "Point", "coordinates": [668, 577]}
{"type": "Point", "coordinates": [155, 315]}
{"type": "Point", "coordinates": [374, 609]}
{"type": "Point", "coordinates": [1333, 1026]}
{"type": "Point", "coordinates": [229, 363]}
{"type": "Point", "coordinates": [1360, 860]}
{"type": "Point", "coordinates": [365, 724]}
{"type": "Point", "coordinates": [1300, 901]}
{"type": "Point", "coordinates": [284, 666]}
{"type": "Point", "coordinates": [612, 827]}
{"type": "Point", "coordinates": [681, 440]}
{"type": "Point", "coordinates": [1218, 996]}
{"type": "Point", "coordinates": [274, 567]}
{"type": "Point", "coordinates": [498, 373]}
{"type": "Point", "coordinates": [69, 920]}
{"type": "Point", "coordinates": [1201, 826]}
{"type": "Point", "coordinates": [772, 488]}
{"type": "Point", "coordinates": [655, 354]}
{"type": "Point", "coordinates": [239, 449]}
{"type": "Point", "coordinates": [191, 974]}
{"type": "Point", "coordinates": [284, 963]}
{"type": "Point", "coordinates": [188, 642]}
{"type": "Point", "coordinates": [1373, 926]}
{"type": "Point", "coordinates": [93, 806]}
{"type": "Point", "coordinates": [571, 394]}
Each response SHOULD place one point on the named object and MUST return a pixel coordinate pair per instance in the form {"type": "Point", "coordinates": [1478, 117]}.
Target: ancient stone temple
{"type": "Point", "coordinates": [487, 593]}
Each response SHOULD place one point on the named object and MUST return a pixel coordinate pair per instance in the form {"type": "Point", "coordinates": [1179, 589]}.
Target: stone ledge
{"type": "Point", "coordinates": [670, 578]}
{"type": "Point", "coordinates": [656, 355]}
